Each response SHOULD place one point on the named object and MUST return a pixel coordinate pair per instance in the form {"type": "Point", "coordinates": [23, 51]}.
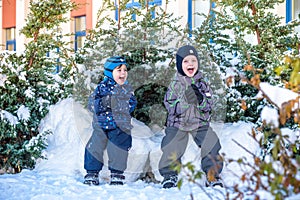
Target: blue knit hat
{"type": "Point", "coordinates": [183, 52]}
{"type": "Point", "coordinates": [111, 63]}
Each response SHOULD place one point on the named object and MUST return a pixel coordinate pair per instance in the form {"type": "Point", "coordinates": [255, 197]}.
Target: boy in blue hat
{"type": "Point", "coordinates": [112, 102]}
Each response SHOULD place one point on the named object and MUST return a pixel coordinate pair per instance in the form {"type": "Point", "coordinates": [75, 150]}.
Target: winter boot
{"type": "Point", "coordinates": [169, 181]}
{"type": "Point", "coordinates": [117, 179]}
{"type": "Point", "coordinates": [213, 183]}
{"type": "Point", "coordinates": [91, 178]}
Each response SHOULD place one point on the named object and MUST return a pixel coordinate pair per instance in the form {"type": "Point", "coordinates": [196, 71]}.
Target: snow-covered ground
{"type": "Point", "coordinates": [61, 175]}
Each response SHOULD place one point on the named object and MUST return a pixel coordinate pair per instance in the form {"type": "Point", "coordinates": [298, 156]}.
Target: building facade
{"type": "Point", "coordinates": [13, 15]}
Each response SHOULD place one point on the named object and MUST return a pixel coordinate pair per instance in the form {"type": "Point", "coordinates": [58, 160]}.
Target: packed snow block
{"type": "Point", "coordinates": [71, 127]}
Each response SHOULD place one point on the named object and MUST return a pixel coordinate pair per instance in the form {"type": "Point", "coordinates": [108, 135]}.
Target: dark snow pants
{"type": "Point", "coordinates": [117, 143]}
{"type": "Point", "coordinates": [174, 145]}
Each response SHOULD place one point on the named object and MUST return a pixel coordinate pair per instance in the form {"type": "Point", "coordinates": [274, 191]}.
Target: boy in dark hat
{"type": "Point", "coordinates": [112, 102]}
{"type": "Point", "coordinates": [189, 103]}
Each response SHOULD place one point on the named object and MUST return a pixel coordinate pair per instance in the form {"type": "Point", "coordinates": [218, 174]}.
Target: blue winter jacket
{"type": "Point", "coordinates": [112, 104]}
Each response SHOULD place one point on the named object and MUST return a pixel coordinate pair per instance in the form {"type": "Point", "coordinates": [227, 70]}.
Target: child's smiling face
{"type": "Point", "coordinates": [120, 74]}
{"type": "Point", "coordinates": [190, 65]}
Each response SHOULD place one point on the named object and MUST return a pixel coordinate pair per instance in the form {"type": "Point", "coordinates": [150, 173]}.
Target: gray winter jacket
{"type": "Point", "coordinates": [187, 117]}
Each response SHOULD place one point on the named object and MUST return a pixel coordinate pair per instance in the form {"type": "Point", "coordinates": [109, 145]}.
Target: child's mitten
{"type": "Point", "coordinates": [193, 95]}
{"type": "Point", "coordinates": [198, 93]}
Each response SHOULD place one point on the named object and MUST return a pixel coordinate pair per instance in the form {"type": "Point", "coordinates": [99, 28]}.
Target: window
{"type": "Point", "coordinates": [196, 7]}
{"type": "Point", "coordinates": [137, 4]}
{"type": "Point", "coordinates": [10, 34]}
{"type": "Point", "coordinates": [297, 13]}
{"type": "Point", "coordinates": [293, 11]}
{"type": "Point", "coordinates": [53, 54]}
{"type": "Point", "coordinates": [153, 3]}
{"type": "Point", "coordinates": [80, 31]}
{"type": "Point", "coordinates": [200, 6]}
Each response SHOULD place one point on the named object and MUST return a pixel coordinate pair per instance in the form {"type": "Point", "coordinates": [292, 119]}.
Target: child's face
{"type": "Point", "coordinates": [190, 65]}
{"type": "Point", "coordinates": [120, 74]}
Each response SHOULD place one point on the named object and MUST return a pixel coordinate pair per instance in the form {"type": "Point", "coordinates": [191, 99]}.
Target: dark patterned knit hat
{"type": "Point", "coordinates": [111, 63]}
{"type": "Point", "coordinates": [182, 53]}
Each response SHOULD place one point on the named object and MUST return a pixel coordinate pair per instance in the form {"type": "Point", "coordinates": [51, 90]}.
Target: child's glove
{"type": "Point", "coordinates": [193, 95]}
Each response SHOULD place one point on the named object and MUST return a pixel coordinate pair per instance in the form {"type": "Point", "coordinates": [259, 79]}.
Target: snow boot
{"type": "Point", "coordinates": [169, 181]}
{"type": "Point", "coordinates": [91, 179]}
{"type": "Point", "coordinates": [117, 179]}
{"type": "Point", "coordinates": [213, 183]}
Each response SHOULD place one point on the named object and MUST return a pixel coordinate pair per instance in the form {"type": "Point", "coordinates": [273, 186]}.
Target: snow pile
{"type": "Point", "coordinates": [71, 127]}
{"type": "Point", "coordinates": [278, 95]}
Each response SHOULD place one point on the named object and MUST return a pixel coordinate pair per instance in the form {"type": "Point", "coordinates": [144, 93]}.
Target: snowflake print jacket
{"type": "Point", "coordinates": [112, 104]}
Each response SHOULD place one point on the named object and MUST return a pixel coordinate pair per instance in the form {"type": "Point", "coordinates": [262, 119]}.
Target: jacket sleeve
{"type": "Point", "coordinates": [98, 105]}
{"type": "Point", "coordinates": [174, 100]}
{"type": "Point", "coordinates": [132, 103]}
{"type": "Point", "coordinates": [91, 102]}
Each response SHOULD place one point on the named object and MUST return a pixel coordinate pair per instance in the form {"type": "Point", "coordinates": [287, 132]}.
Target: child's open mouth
{"type": "Point", "coordinates": [191, 70]}
{"type": "Point", "coordinates": [121, 80]}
